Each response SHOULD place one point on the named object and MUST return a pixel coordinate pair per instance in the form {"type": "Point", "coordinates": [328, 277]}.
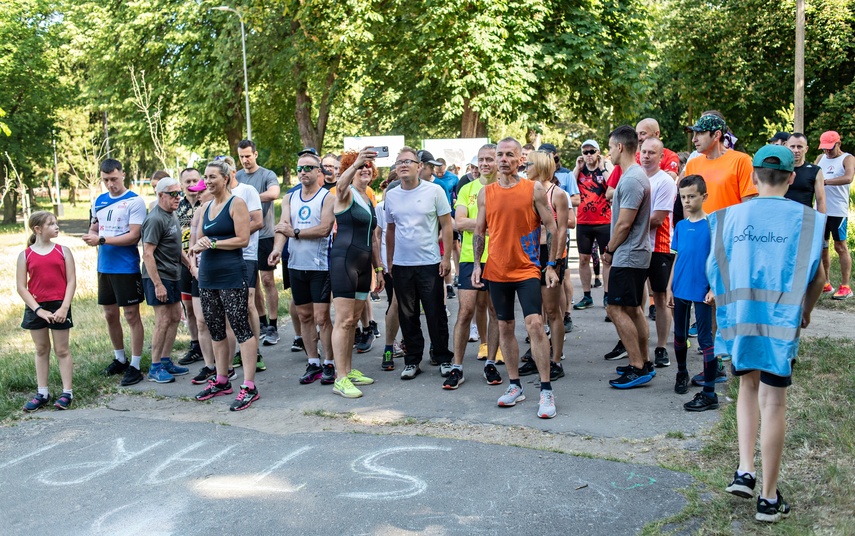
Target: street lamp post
{"type": "Point", "coordinates": [245, 79]}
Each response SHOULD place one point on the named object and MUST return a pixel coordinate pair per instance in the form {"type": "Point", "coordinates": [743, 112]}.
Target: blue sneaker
{"type": "Point", "coordinates": [159, 375]}
{"type": "Point", "coordinates": [693, 330]}
{"type": "Point", "coordinates": [172, 368]}
{"type": "Point", "coordinates": [631, 378]}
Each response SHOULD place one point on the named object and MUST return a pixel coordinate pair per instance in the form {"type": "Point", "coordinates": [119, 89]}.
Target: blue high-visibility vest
{"type": "Point", "coordinates": [765, 253]}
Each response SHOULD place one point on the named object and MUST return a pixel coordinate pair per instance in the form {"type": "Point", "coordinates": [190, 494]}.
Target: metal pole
{"type": "Point", "coordinates": [245, 78]}
{"type": "Point", "coordinates": [799, 92]}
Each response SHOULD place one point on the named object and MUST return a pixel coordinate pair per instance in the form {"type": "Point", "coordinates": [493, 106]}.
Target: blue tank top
{"type": "Point", "coordinates": [765, 253]}
{"type": "Point", "coordinates": [220, 268]}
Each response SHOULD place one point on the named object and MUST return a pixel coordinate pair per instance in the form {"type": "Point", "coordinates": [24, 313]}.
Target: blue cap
{"type": "Point", "coordinates": [786, 160]}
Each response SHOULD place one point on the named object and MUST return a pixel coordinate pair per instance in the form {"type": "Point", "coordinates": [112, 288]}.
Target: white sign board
{"type": "Point", "coordinates": [394, 143]}
{"type": "Point", "coordinates": [458, 151]}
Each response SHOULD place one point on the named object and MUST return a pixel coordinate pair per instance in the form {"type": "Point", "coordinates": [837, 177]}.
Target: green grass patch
{"type": "Point", "coordinates": [818, 468]}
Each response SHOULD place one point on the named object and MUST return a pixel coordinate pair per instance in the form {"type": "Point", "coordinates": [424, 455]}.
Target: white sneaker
{"type": "Point", "coordinates": [513, 395]}
{"type": "Point", "coordinates": [410, 372]}
{"type": "Point", "coordinates": [445, 369]}
{"type": "Point", "coordinates": [546, 410]}
{"type": "Point", "coordinates": [473, 333]}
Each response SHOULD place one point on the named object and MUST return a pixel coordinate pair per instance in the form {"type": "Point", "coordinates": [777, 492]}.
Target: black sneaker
{"type": "Point", "coordinates": [568, 323]}
{"type": "Point", "coordinates": [528, 369]}
{"type": "Point", "coordinates": [366, 341]}
{"type": "Point", "coordinates": [372, 325]}
{"type": "Point", "coordinates": [772, 513]}
{"type": "Point", "coordinates": [632, 378]}
{"type": "Point", "coordinates": [297, 345]}
{"type": "Point", "coordinates": [245, 398]}
{"type": "Point", "coordinates": [648, 368]}
{"type": "Point", "coordinates": [619, 352]}
{"type": "Point", "coordinates": [555, 371]}
{"type": "Point", "coordinates": [651, 313]}
{"type": "Point", "coordinates": [597, 282]}
{"type": "Point", "coordinates": [313, 373]}
{"type": "Point", "coordinates": [116, 367]}
{"type": "Point", "coordinates": [214, 389]}
{"type": "Point", "coordinates": [491, 374]}
{"type": "Point", "coordinates": [449, 292]}
{"type": "Point", "coordinates": [357, 336]}
{"type": "Point", "coordinates": [742, 486]}
{"type": "Point", "coordinates": [526, 357]}
{"type": "Point", "coordinates": [681, 386]}
{"type": "Point", "coordinates": [454, 380]}
{"type": "Point", "coordinates": [132, 376]}
{"type": "Point", "coordinates": [328, 374]}
{"type": "Point", "coordinates": [661, 358]}
{"type": "Point", "coordinates": [192, 355]}
{"type": "Point", "coordinates": [702, 402]}
{"type": "Point", "coordinates": [388, 361]}
{"type": "Point", "coordinates": [204, 375]}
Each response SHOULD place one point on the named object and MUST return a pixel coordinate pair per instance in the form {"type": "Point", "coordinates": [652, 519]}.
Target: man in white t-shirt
{"type": "Point", "coordinates": [414, 214]}
{"type": "Point", "coordinates": [838, 168]}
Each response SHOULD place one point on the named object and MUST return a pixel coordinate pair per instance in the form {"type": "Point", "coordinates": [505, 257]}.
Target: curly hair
{"type": "Point", "coordinates": [349, 157]}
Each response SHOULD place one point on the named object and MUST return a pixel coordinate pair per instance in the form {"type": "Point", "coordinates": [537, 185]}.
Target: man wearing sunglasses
{"type": "Point", "coordinates": [837, 168]}
{"type": "Point", "coordinates": [161, 272]}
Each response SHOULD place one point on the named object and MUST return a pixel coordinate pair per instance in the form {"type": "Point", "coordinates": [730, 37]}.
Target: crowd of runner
{"type": "Point", "coordinates": [499, 234]}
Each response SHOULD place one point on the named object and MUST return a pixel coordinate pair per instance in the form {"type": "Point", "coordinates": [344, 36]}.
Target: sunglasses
{"type": "Point", "coordinates": [589, 152]}
{"type": "Point", "coordinates": [173, 195]}
{"type": "Point", "coordinates": [365, 165]}
{"type": "Point", "coordinates": [307, 169]}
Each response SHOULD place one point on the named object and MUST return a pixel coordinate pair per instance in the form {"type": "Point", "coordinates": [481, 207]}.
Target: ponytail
{"type": "Point", "coordinates": [40, 218]}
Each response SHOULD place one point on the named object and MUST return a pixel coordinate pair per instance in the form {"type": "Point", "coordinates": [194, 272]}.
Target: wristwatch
{"type": "Point", "coordinates": [102, 241]}
{"type": "Point", "coordinates": [379, 269]}
{"type": "Point", "coordinates": [213, 243]}
{"type": "Point", "coordinates": [607, 250]}
{"type": "Point", "coordinates": [297, 234]}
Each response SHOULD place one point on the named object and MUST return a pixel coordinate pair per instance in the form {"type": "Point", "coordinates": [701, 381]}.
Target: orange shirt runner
{"type": "Point", "coordinates": [514, 242]}
{"type": "Point", "coordinates": [728, 178]}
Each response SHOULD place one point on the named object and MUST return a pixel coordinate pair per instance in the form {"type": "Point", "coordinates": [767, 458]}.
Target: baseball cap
{"type": "Point", "coordinates": [592, 143]}
{"type": "Point", "coordinates": [829, 139]}
{"type": "Point", "coordinates": [198, 187]}
{"type": "Point", "coordinates": [164, 183]}
{"type": "Point", "coordinates": [309, 150]}
{"type": "Point", "coordinates": [425, 157]}
{"type": "Point", "coordinates": [708, 123]}
{"type": "Point", "coordinates": [779, 136]}
{"type": "Point", "coordinates": [785, 158]}
{"type": "Point", "coordinates": [548, 147]}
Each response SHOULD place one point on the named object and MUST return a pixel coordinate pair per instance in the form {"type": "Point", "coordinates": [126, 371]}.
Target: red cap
{"type": "Point", "coordinates": [829, 139]}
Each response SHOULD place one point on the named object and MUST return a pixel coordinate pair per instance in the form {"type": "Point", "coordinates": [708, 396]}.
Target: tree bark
{"type": "Point", "coordinates": [10, 207]}
{"type": "Point", "coordinates": [471, 125]}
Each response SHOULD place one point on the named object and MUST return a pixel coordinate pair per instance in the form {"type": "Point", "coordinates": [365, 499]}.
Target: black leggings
{"type": "Point", "coordinates": [351, 272]}
{"type": "Point", "coordinates": [218, 304]}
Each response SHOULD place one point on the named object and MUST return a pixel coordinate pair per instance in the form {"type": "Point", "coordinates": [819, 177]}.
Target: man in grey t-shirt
{"type": "Point", "coordinates": [161, 273]}
{"type": "Point", "coordinates": [628, 252]}
{"type": "Point", "coordinates": [267, 184]}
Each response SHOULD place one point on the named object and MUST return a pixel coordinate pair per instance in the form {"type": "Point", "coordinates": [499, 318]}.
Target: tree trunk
{"type": "Point", "coordinates": [10, 207]}
{"type": "Point", "coordinates": [303, 110]}
{"type": "Point", "coordinates": [72, 196]}
{"type": "Point", "coordinates": [471, 125]}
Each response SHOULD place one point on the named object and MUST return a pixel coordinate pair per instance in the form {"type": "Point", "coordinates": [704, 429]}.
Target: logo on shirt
{"type": "Point", "coordinates": [766, 238]}
{"type": "Point", "coordinates": [304, 213]}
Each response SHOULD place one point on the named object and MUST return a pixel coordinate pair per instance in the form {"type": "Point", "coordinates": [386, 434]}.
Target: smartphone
{"type": "Point", "coordinates": [382, 152]}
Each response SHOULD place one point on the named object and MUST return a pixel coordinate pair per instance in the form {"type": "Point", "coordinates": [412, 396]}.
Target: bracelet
{"type": "Point", "coordinates": [379, 269]}
{"type": "Point", "coordinates": [550, 263]}
{"type": "Point", "coordinates": [37, 309]}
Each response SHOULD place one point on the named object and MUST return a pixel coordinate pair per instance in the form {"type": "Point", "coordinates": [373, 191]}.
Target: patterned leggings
{"type": "Point", "coordinates": [217, 304]}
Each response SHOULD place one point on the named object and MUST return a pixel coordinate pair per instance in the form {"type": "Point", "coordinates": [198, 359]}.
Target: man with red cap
{"type": "Point", "coordinates": [838, 169]}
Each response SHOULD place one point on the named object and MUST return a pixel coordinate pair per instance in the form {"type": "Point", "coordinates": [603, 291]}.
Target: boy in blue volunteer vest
{"type": "Point", "coordinates": [765, 277]}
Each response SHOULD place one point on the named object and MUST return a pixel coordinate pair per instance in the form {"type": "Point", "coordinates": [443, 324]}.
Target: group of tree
{"type": "Point", "coordinates": [153, 82]}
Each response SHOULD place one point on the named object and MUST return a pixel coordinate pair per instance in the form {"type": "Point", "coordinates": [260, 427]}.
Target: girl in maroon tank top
{"type": "Point", "coordinates": [46, 282]}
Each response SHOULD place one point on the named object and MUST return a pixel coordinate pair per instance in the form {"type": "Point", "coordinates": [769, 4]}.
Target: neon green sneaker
{"type": "Point", "coordinates": [236, 361]}
{"type": "Point", "coordinates": [345, 388]}
{"type": "Point", "coordinates": [358, 378]}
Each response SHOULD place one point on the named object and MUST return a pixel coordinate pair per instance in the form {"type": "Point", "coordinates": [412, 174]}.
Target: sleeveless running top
{"type": "Point", "coordinates": [802, 188]}
{"type": "Point", "coordinates": [355, 224]}
{"type": "Point", "coordinates": [47, 274]}
{"type": "Point", "coordinates": [308, 253]}
{"type": "Point", "coordinates": [221, 268]}
{"type": "Point", "coordinates": [549, 194]}
{"type": "Point", "coordinates": [836, 197]}
{"type": "Point", "coordinates": [514, 229]}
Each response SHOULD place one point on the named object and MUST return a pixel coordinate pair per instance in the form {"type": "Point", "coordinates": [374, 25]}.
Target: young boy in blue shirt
{"type": "Point", "coordinates": [765, 277]}
{"type": "Point", "coordinates": [688, 286]}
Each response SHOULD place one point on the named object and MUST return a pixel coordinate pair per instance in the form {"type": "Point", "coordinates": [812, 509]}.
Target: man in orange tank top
{"type": "Point", "coordinates": [512, 210]}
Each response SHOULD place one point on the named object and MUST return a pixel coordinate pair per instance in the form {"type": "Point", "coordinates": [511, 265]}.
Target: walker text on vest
{"type": "Point", "coordinates": [748, 234]}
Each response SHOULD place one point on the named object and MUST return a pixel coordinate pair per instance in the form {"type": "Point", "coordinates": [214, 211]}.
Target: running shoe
{"type": "Point", "coordinates": [720, 377]}
{"type": "Point", "coordinates": [366, 341]}
{"type": "Point", "coordinates": [681, 386]}
{"type": "Point", "coordinates": [132, 377]}
{"type": "Point", "coordinates": [772, 512]}
{"type": "Point", "coordinates": [491, 374]}
{"type": "Point", "coordinates": [245, 398]}
{"type": "Point", "coordinates": [204, 375]}
{"type": "Point", "coordinates": [313, 373]}
{"type": "Point", "coordinates": [214, 389]}
{"type": "Point", "coordinates": [160, 375]}
{"type": "Point", "coordinates": [259, 364]}
{"type": "Point", "coordinates": [372, 325]}
{"type": "Point", "coordinates": [445, 369]}
{"type": "Point", "coordinates": [528, 368]}
{"type": "Point", "coordinates": [232, 374]}
{"type": "Point", "coordinates": [568, 324]}
{"type": "Point", "coordinates": [357, 336]}
{"type": "Point", "coordinates": [632, 378]}
{"type": "Point", "coordinates": [482, 352]}
{"type": "Point", "coordinates": [702, 402]}
{"type": "Point", "coordinates": [116, 367]}
{"type": "Point", "coordinates": [398, 349]}
{"type": "Point", "coordinates": [236, 361]}
{"type": "Point", "coordinates": [297, 345]}
{"type": "Point", "coordinates": [358, 378]}
{"type": "Point", "coordinates": [661, 358]}
{"type": "Point", "coordinates": [619, 352]}
{"type": "Point", "coordinates": [500, 359]}
{"type": "Point", "coordinates": [345, 388]}
{"type": "Point", "coordinates": [648, 368]}
{"type": "Point", "coordinates": [193, 354]}
{"type": "Point", "coordinates": [388, 361]}
{"type": "Point", "coordinates": [651, 313]}
{"type": "Point", "coordinates": [454, 380]}
{"type": "Point", "coordinates": [526, 357]}
{"type": "Point", "coordinates": [597, 282]}
{"type": "Point", "coordinates": [449, 292]}
{"type": "Point", "coordinates": [546, 409]}
{"type": "Point", "coordinates": [742, 486]}
{"type": "Point", "coordinates": [583, 304]}
{"type": "Point", "coordinates": [513, 395]}
{"type": "Point", "coordinates": [63, 401]}
{"type": "Point", "coordinates": [172, 368]}
{"type": "Point", "coordinates": [328, 374]}
{"type": "Point", "coordinates": [410, 372]}
{"type": "Point", "coordinates": [693, 330]}
{"type": "Point", "coordinates": [375, 297]}
{"type": "Point", "coordinates": [473, 333]}
{"type": "Point", "coordinates": [827, 289]}
{"type": "Point", "coordinates": [555, 371]}
{"type": "Point", "coordinates": [272, 336]}
{"type": "Point", "coordinates": [842, 293]}
{"type": "Point", "coordinates": [37, 402]}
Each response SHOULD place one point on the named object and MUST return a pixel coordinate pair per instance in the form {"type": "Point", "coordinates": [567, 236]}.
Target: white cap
{"type": "Point", "coordinates": [592, 143]}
